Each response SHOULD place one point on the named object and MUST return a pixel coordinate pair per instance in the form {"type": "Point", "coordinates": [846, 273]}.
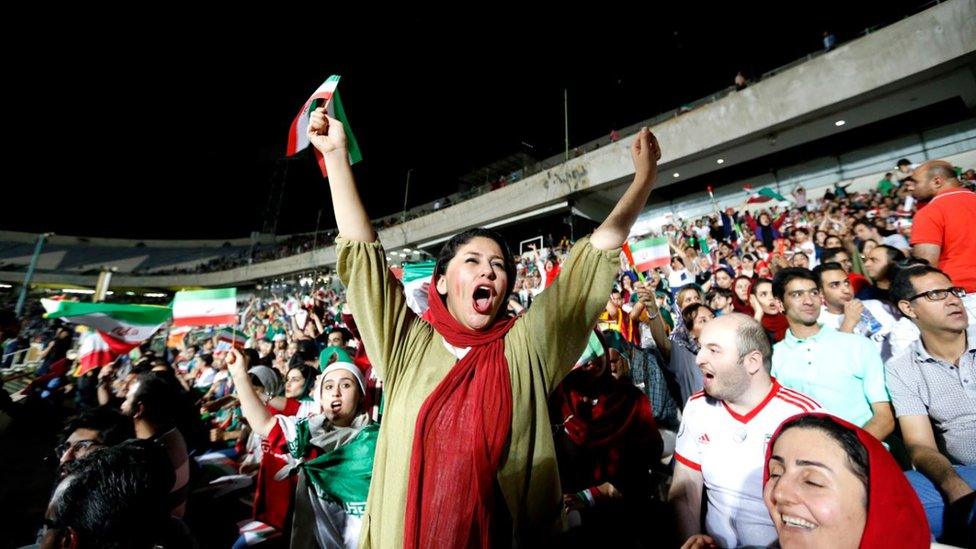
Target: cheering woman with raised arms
{"type": "Point", "coordinates": [465, 455]}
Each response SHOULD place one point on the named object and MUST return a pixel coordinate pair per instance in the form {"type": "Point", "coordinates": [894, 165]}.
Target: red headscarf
{"type": "Point", "coordinates": [461, 431]}
{"type": "Point", "coordinates": [738, 305]}
{"type": "Point", "coordinates": [599, 410]}
{"type": "Point", "coordinates": [612, 419]}
{"type": "Point", "coordinates": [895, 517]}
{"type": "Point", "coordinates": [776, 325]}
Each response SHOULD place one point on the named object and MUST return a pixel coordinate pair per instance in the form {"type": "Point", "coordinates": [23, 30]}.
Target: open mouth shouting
{"type": "Point", "coordinates": [483, 298]}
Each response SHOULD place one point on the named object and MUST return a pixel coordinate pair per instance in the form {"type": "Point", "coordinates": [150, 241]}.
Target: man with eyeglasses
{"type": "Point", "coordinates": [115, 497]}
{"type": "Point", "coordinates": [942, 231]}
{"type": "Point", "coordinates": [842, 371]}
{"type": "Point", "coordinates": [89, 431]}
{"type": "Point", "coordinates": [933, 389]}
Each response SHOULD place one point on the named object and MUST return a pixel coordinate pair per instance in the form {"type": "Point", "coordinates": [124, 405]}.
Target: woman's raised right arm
{"type": "Point", "coordinates": [329, 137]}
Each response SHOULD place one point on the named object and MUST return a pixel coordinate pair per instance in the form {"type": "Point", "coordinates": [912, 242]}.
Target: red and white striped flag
{"type": "Point", "coordinates": [205, 307]}
{"type": "Point", "coordinates": [117, 329]}
{"type": "Point", "coordinates": [327, 93]}
{"type": "Point", "coordinates": [648, 253]}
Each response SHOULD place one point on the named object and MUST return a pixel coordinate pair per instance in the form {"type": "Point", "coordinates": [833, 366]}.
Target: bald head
{"type": "Point", "coordinates": [931, 177]}
{"type": "Point", "coordinates": [749, 335]}
{"type": "Point", "coordinates": [734, 359]}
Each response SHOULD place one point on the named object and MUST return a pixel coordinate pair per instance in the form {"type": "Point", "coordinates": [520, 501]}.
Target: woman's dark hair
{"type": "Point", "coordinates": [893, 255]}
{"type": "Point", "coordinates": [857, 455]}
{"type": "Point", "coordinates": [741, 277]}
{"type": "Point", "coordinates": [457, 241]}
{"type": "Point", "coordinates": [755, 285]}
{"type": "Point", "coordinates": [688, 314]}
{"type": "Point", "coordinates": [307, 349]}
{"type": "Point", "coordinates": [309, 373]}
{"type": "Point", "coordinates": [254, 359]}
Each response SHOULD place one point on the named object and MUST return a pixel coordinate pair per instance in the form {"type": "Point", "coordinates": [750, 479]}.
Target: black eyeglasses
{"type": "Point", "coordinates": [75, 446]}
{"type": "Point", "coordinates": [940, 294]}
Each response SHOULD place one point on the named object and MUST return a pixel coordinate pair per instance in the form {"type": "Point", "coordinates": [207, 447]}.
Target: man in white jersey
{"type": "Point", "coordinates": [722, 439]}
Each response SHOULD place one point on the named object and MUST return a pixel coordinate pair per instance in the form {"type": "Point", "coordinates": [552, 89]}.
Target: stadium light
{"type": "Point", "coordinates": [720, 161]}
{"type": "Point", "coordinates": [5, 286]}
{"type": "Point", "coordinates": [840, 123]}
{"type": "Point", "coordinates": [676, 174]}
{"type": "Point", "coordinates": [77, 291]}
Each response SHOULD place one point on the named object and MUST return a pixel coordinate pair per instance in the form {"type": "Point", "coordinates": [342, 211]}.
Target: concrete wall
{"type": "Point", "coordinates": [863, 167]}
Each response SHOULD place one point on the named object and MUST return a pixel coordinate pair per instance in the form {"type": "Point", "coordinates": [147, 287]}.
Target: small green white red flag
{"type": "Point", "coordinates": [328, 94]}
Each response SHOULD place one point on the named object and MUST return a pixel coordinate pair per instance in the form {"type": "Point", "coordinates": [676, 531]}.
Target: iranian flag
{"type": "Point", "coordinates": [593, 350]}
{"type": "Point", "coordinates": [117, 329]}
{"type": "Point", "coordinates": [328, 94]}
{"type": "Point", "coordinates": [648, 253]}
{"type": "Point", "coordinates": [414, 276]}
{"type": "Point", "coordinates": [205, 307]}
{"type": "Point", "coordinates": [765, 194]}
{"type": "Point", "coordinates": [228, 337]}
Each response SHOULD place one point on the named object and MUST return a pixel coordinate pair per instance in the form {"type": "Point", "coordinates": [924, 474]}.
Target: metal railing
{"type": "Point", "coordinates": [19, 361]}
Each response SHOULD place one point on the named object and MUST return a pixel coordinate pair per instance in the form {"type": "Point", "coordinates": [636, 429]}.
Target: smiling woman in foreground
{"type": "Point", "coordinates": [831, 484]}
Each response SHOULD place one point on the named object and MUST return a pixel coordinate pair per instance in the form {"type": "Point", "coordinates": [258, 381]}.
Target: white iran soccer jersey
{"type": "Point", "coordinates": [730, 451]}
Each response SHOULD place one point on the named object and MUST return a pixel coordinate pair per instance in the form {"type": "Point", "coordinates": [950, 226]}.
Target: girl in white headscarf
{"type": "Point", "coordinates": [331, 451]}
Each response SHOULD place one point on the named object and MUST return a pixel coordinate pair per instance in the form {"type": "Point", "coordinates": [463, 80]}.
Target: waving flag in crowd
{"type": "Point", "coordinates": [328, 94]}
{"type": "Point", "coordinates": [117, 329]}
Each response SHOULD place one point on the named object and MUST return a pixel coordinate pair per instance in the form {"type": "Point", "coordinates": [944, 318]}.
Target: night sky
{"type": "Point", "coordinates": [170, 123]}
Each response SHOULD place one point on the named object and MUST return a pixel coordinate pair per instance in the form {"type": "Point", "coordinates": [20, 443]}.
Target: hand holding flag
{"type": "Point", "coordinates": [325, 99]}
{"type": "Point", "coordinates": [326, 134]}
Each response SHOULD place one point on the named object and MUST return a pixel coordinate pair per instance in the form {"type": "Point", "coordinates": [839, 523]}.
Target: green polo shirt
{"type": "Point", "coordinates": [841, 371]}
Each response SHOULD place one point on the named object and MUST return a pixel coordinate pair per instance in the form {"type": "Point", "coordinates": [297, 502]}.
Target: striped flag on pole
{"type": "Point", "coordinates": [648, 253]}
{"type": "Point", "coordinates": [205, 307]}
{"type": "Point", "coordinates": [228, 337]}
{"type": "Point", "coordinates": [765, 194]}
{"type": "Point", "coordinates": [327, 93]}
